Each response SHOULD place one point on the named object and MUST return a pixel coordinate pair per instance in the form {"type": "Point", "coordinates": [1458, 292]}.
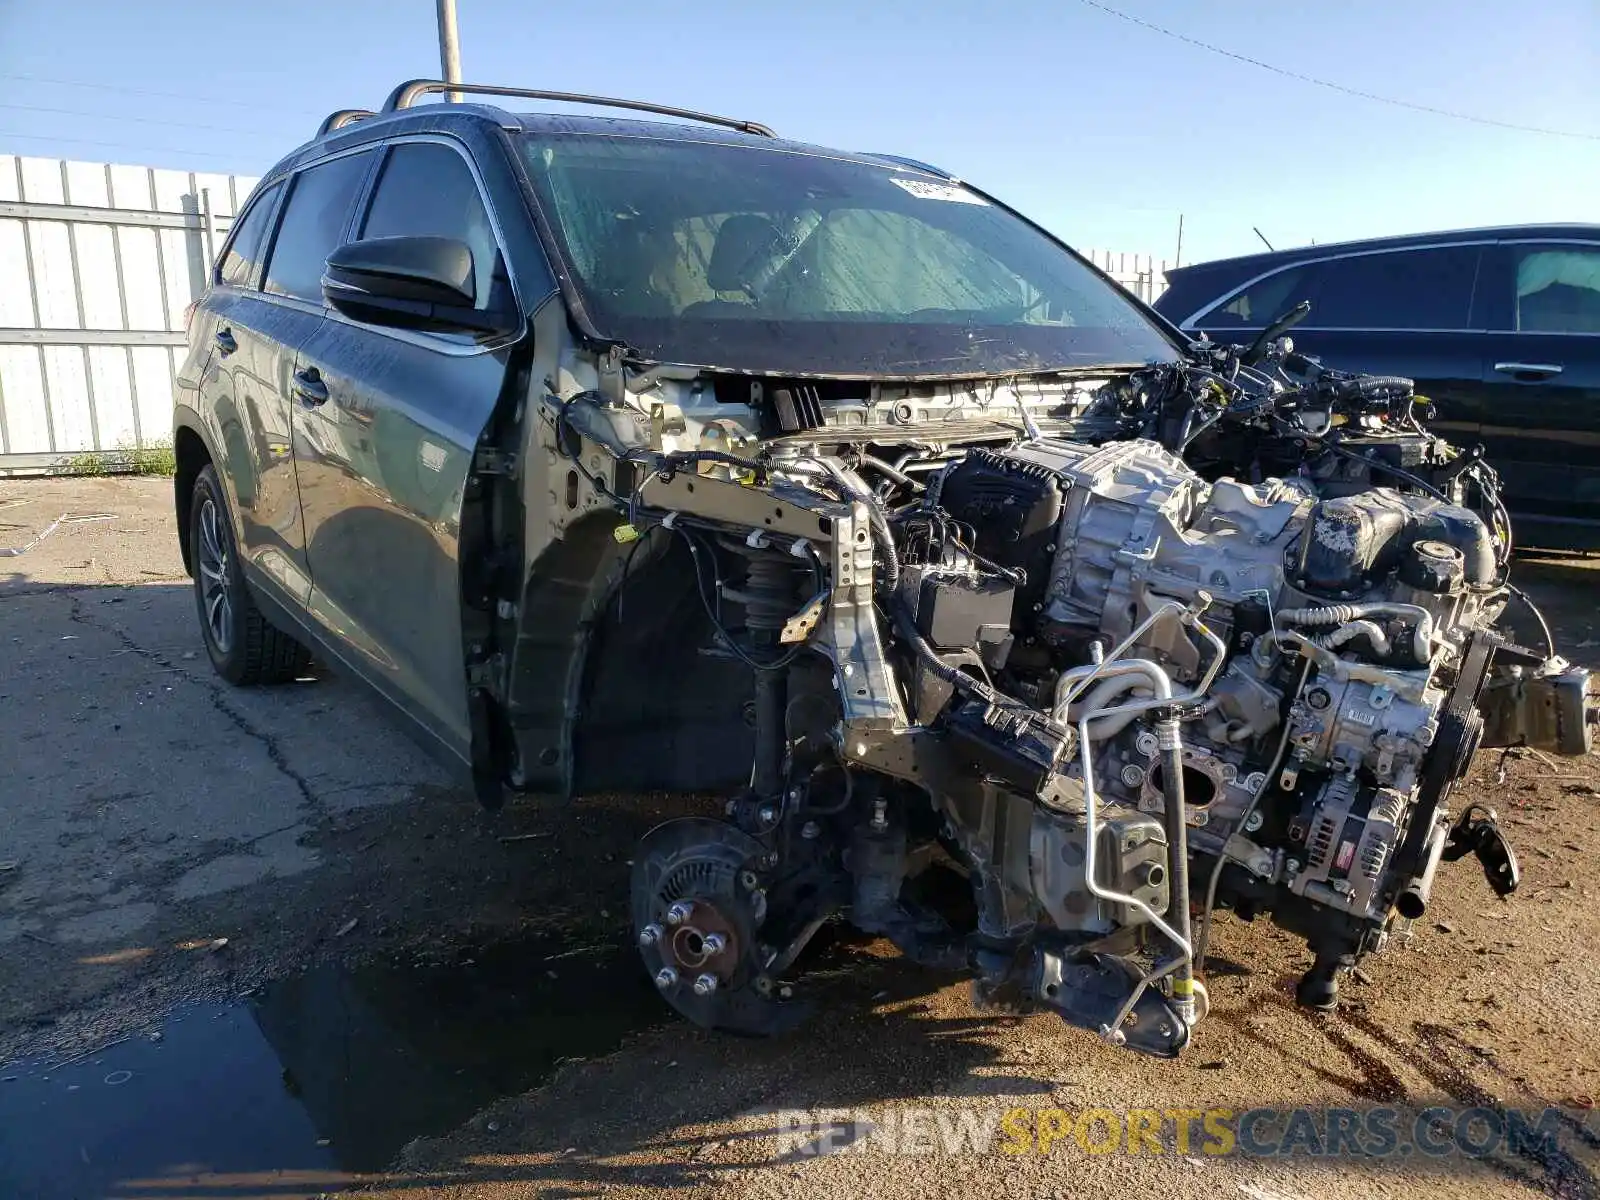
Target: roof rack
{"type": "Point", "coordinates": [409, 92]}
{"type": "Point", "coordinates": [342, 117]}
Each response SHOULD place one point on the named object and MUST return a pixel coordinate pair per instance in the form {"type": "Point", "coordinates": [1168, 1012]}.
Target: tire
{"type": "Point", "coordinates": [244, 647]}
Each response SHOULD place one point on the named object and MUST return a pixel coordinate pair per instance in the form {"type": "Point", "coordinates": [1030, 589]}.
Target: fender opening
{"type": "Point", "coordinates": [618, 682]}
{"type": "Point", "coordinates": [191, 457]}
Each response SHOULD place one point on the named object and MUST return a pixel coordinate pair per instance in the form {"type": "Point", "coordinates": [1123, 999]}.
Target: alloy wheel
{"type": "Point", "coordinates": [216, 603]}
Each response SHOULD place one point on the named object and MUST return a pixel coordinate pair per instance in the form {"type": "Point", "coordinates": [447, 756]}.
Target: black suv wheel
{"type": "Point", "coordinates": [244, 647]}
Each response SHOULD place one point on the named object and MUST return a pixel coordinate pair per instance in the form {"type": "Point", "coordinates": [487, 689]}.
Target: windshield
{"type": "Point", "coordinates": [787, 262]}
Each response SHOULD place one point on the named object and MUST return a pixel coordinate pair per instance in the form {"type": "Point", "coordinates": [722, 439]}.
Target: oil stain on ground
{"type": "Point", "coordinates": [317, 1077]}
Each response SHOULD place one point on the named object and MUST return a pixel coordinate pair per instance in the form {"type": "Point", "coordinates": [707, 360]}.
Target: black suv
{"type": "Point", "coordinates": [1500, 328]}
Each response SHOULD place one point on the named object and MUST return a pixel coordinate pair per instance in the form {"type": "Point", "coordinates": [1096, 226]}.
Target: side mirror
{"type": "Point", "coordinates": [422, 283]}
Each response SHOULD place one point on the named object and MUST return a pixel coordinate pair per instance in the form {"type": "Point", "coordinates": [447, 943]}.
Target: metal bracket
{"type": "Point", "coordinates": [863, 675]}
{"type": "Point", "coordinates": [492, 461]}
{"type": "Point", "coordinates": [798, 627]}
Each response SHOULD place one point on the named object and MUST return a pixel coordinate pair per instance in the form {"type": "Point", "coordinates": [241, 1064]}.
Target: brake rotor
{"type": "Point", "coordinates": [698, 904]}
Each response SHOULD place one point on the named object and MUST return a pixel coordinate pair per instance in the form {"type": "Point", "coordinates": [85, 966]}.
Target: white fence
{"type": "Point", "coordinates": [97, 263]}
{"type": "Point", "coordinates": [1141, 274]}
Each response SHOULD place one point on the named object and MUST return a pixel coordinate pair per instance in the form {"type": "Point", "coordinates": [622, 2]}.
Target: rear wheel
{"type": "Point", "coordinates": [243, 646]}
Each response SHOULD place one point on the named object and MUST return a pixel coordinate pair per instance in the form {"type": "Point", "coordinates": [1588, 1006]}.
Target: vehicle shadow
{"type": "Point", "coordinates": [1564, 588]}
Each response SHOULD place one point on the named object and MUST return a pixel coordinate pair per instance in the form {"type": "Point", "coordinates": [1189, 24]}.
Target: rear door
{"type": "Point", "coordinates": [261, 318]}
{"type": "Point", "coordinates": [1541, 371]}
{"type": "Point", "coordinates": [1390, 312]}
{"type": "Point", "coordinates": [250, 343]}
{"type": "Point", "coordinates": [385, 452]}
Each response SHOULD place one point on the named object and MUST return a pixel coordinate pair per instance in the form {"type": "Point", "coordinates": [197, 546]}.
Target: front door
{"type": "Point", "coordinates": [388, 423]}
{"type": "Point", "coordinates": [1541, 370]}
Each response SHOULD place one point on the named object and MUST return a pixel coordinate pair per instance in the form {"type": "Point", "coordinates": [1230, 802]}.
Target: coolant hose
{"type": "Point", "coordinates": [1142, 668]}
{"type": "Point", "coordinates": [1102, 695]}
{"type": "Point", "coordinates": [1328, 616]}
{"type": "Point", "coordinates": [1350, 630]}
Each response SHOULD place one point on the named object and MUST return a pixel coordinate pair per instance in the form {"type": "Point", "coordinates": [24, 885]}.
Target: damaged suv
{"type": "Point", "coordinates": [628, 455]}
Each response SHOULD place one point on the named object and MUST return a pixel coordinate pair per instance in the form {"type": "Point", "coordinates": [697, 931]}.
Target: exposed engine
{"type": "Point", "coordinates": [1218, 634]}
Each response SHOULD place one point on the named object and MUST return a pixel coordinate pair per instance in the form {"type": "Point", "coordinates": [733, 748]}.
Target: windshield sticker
{"type": "Point", "coordinates": [928, 190]}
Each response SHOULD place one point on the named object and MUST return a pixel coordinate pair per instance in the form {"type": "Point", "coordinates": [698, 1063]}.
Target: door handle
{"type": "Point", "coordinates": [225, 341]}
{"type": "Point", "coordinates": [309, 388]}
{"type": "Point", "coordinates": [1535, 370]}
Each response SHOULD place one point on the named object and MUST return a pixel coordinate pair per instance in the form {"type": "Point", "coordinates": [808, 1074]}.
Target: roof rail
{"type": "Point", "coordinates": [342, 117]}
{"type": "Point", "coordinates": [409, 92]}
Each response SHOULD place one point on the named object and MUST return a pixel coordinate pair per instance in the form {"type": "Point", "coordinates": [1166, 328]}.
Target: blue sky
{"type": "Point", "coordinates": [1101, 129]}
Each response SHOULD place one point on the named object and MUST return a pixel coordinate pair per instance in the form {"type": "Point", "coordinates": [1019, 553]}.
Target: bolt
{"type": "Point", "coordinates": [666, 977]}
{"type": "Point", "coordinates": [768, 814]}
{"type": "Point", "coordinates": [880, 815]}
{"type": "Point", "coordinates": [1254, 822]}
{"type": "Point", "coordinates": [810, 830]}
{"type": "Point", "coordinates": [785, 992]}
{"type": "Point", "coordinates": [1292, 867]}
{"type": "Point", "coordinates": [704, 985]}
{"type": "Point", "coordinates": [679, 912]}
{"type": "Point", "coordinates": [714, 943]}
{"type": "Point", "coordinates": [649, 935]}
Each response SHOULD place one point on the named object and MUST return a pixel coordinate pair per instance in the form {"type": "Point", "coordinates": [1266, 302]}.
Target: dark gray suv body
{"type": "Point", "coordinates": [371, 473]}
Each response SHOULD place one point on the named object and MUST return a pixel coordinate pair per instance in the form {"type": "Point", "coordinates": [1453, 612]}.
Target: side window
{"type": "Point", "coordinates": [1410, 289]}
{"type": "Point", "coordinates": [1262, 302]}
{"type": "Point", "coordinates": [313, 225]}
{"type": "Point", "coordinates": [244, 248]}
{"type": "Point", "coordinates": [426, 188]}
{"type": "Point", "coordinates": [1558, 289]}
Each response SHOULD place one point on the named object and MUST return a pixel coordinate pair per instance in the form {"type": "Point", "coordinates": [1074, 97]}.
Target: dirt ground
{"type": "Point", "coordinates": [167, 838]}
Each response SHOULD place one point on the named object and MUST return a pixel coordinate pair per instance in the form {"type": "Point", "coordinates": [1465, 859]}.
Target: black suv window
{"type": "Point", "coordinates": [313, 225]}
{"type": "Point", "coordinates": [427, 189]}
{"type": "Point", "coordinates": [1405, 289]}
{"type": "Point", "coordinates": [1260, 303]}
{"type": "Point", "coordinates": [249, 236]}
{"type": "Point", "coordinates": [1558, 289]}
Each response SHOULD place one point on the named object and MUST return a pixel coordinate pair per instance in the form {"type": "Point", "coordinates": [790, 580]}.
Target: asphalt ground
{"type": "Point", "coordinates": [168, 841]}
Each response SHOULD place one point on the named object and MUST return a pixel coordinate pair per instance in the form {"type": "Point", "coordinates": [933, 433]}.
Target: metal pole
{"type": "Point", "coordinates": [1177, 260]}
{"type": "Point", "coordinates": [449, 47]}
{"type": "Point", "coordinates": [208, 229]}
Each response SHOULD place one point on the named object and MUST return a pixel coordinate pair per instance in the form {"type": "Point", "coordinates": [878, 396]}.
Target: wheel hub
{"type": "Point", "coordinates": [697, 906]}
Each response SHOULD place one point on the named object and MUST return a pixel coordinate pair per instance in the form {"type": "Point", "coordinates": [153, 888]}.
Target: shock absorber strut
{"type": "Point", "coordinates": [768, 597]}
